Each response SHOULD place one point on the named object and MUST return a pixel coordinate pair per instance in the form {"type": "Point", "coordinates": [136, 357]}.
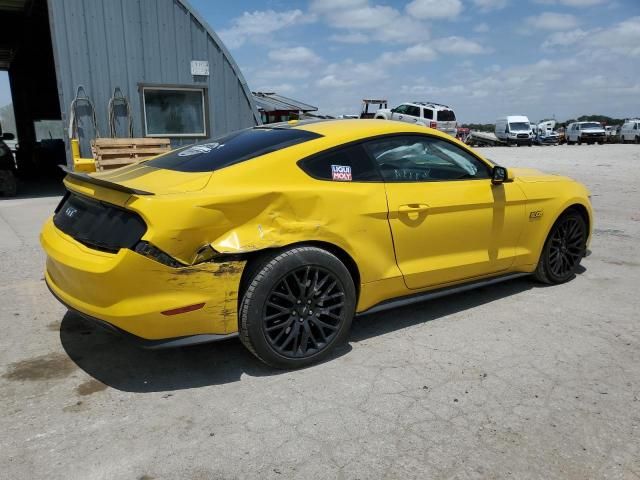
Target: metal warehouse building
{"type": "Point", "coordinates": [180, 81]}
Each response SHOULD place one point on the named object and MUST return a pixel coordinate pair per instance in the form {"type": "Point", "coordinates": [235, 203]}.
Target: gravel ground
{"type": "Point", "coordinates": [514, 380]}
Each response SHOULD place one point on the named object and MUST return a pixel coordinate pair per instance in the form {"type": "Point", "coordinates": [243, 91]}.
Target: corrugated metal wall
{"type": "Point", "coordinates": [103, 44]}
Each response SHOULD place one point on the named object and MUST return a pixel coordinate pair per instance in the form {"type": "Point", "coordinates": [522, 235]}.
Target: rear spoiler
{"type": "Point", "coordinates": [102, 183]}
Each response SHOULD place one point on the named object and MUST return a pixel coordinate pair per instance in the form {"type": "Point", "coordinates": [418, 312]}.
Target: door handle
{"type": "Point", "coordinates": [413, 208]}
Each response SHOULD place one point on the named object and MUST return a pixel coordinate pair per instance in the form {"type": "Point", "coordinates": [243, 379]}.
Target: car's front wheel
{"type": "Point", "coordinates": [297, 307]}
{"type": "Point", "coordinates": [563, 250]}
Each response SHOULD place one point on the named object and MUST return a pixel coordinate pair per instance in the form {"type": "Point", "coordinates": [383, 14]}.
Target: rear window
{"type": "Point", "coordinates": [230, 149]}
{"type": "Point", "coordinates": [446, 116]}
{"type": "Point", "coordinates": [351, 163]}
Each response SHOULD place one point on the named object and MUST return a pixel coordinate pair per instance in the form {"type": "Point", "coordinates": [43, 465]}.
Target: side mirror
{"type": "Point", "coordinates": [501, 175]}
{"type": "Point", "coordinates": [8, 136]}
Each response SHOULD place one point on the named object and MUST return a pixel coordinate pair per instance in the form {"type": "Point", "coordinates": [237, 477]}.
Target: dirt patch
{"type": "Point", "coordinates": [611, 231]}
{"type": "Point", "coordinates": [79, 406]}
{"type": "Point", "coordinates": [622, 263]}
{"type": "Point", "coordinates": [89, 387]}
{"type": "Point", "coordinates": [44, 367]}
{"type": "Point", "coordinates": [54, 326]}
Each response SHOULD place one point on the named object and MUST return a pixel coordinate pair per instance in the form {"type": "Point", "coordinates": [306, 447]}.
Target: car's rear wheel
{"type": "Point", "coordinates": [563, 250]}
{"type": "Point", "coordinates": [297, 307]}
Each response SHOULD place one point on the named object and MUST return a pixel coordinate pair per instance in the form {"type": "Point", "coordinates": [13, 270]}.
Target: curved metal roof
{"type": "Point", "coordinates": [226, 54]}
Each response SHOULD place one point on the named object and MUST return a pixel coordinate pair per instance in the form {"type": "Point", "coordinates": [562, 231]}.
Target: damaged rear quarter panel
{"type": "Point", "coordinates": [270, 202]}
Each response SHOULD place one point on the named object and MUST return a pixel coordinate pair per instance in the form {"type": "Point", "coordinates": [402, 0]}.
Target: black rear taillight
{"type": "Point", "coordinates": [98, 225]}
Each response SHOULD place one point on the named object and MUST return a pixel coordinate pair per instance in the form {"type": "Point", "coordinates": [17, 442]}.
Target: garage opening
{"type": "Point", "coordinates": [26, 54]}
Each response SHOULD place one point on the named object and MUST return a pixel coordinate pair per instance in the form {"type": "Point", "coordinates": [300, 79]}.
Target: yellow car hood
{"type": "Point", "coordinates": [531, 175]}
{"type": "Point", "coordinates": [156, 180]}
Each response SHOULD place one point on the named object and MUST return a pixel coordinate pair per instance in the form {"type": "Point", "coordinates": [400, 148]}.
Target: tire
{"type": "Point", "coordinates": [563, 249]}
{"type": "Point", "coordinates": [8, 183]}
{"type": "Point", "coordinates": [637, 139]}
{"type": "Point", "coordinates": [297, 307]}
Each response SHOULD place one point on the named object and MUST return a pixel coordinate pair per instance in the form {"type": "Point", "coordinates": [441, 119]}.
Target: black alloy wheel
{"type": "Point", "coordinates": [297, 305]}
{"type": "Point", "coordinates": [304, 312]}
{"type": "Point", "coordinates": [564, 249]}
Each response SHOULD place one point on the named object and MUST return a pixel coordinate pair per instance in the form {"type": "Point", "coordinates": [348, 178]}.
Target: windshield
{"type": "Point", "coordinates": [446, 116]}
{"type": "Point", "coordinates": [230, 149]}
{"type": "Point", "coordinates": [590, 125]}
{"type": "Point", "coordinates": [517, 126]}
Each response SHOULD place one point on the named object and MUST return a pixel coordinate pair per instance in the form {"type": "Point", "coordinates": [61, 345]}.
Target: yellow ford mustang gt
{"type": "Point", "coordinates": [281, 233]}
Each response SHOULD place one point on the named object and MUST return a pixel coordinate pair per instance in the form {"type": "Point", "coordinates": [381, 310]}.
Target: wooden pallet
{"type": "Point", "coordinates": [111, 153]}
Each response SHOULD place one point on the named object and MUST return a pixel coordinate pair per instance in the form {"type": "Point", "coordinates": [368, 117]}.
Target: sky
{"type": "Point", "coordinates": [484, 58]}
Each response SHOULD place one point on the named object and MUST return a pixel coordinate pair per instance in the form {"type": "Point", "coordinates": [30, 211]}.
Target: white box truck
{"type": "Point", "coordinates": [515, 130]}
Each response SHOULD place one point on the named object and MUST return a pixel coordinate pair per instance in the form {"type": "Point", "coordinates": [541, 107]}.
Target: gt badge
{"type": "Point", "coordinates": [341, 173]}
{"type": "Point", "coordinates": [535, 214]}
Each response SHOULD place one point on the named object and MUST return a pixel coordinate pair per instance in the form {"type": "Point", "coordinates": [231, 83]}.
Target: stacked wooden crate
{"type": "Point", "coordinates": [117, 152]}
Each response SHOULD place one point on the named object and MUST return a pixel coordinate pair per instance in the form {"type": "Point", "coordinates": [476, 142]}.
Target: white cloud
{"type": "Point", "coordinates": [416, 53]}
{"type": "Point", "coordinates": [424, 9]}
{"type": "Point", "coordinates": [353, 37]}
{"type": "Point", "coordinates": [259, 24]}
{"type": "Point", "coordinates": [572, 3]}
{"type": "Point", "coordinates": [324, 6]}
{"type": "Point", "coordinates": [552, 21]}
{"type": "Point", "coordinates": [481, 28]}
{"type": "Point", "coordinates": [620, 39]}
{"type": "Point", "coordinates": [295, 55]}
{"type": "Point", "coordinates": [623, 38]}
{"type": "Point", "coordinates": [459, 46]}
{"type": "Point", "coordinates": [367, 22]}
{"type": "Point", "coordinates": [362, 18]}
{"type": "Point", "coordinates": [331, 81]}
{"type": "Point", "coordinates": [280, 88]}
{"type": "Point", "coordinates": [563, 39]}
{"type": "Point", "coordinates": [487, 5]}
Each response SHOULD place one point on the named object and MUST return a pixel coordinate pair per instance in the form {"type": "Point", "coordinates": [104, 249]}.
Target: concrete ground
{"type": "Point", "coordinates": [514, 380]}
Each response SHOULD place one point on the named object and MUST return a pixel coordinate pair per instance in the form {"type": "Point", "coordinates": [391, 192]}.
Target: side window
{"type": "Point", "coordinates": [348, 164]}
{"type": "Point", "coordinates": [635, 126]}
{"type": "Point", "coordinates": [424, 159]}
{"type": "Point", "coordinates": [427, 113]}
{"type": "Point", "coordinates": [400, 109]}
{"type": "Point", "coordinates": [413, 110]}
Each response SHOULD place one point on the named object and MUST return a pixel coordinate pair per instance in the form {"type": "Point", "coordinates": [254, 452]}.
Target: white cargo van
{"type": "Point", "coordinates": [515, 130]}
{"type": "Point", "coordinates": [630, 131]}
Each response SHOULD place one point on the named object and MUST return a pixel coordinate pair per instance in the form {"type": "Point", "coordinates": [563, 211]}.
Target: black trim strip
{"type": "Point", "coordinates": [102, 183]}
{"type": "Point", "coordinates": [144, 342]}
{"type": "Point", "coordinates": [441, 292]}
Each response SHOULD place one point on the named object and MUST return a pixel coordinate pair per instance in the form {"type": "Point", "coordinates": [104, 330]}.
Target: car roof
{"type": "Point", "coordinates": [345, 129]}
{"type": "Point", "coordinates": [429, 104]}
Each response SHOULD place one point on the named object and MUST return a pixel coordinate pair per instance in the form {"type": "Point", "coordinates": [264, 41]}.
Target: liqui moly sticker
{"type": "Point", "coordinates": [341, 173]}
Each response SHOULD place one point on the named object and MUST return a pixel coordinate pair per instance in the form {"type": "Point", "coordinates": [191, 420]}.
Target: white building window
{"type": "Point", "coordinates": [174, 111]}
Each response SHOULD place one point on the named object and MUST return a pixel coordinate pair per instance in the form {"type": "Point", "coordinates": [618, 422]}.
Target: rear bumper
{"type": "Point", "coordinates": [143, 342]}
{"type": "Point", "coordinates": [129, 292]}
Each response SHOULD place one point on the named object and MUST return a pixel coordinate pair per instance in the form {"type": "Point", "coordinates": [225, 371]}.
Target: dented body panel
{"type": "Point", "coordinates": [130, 291]}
